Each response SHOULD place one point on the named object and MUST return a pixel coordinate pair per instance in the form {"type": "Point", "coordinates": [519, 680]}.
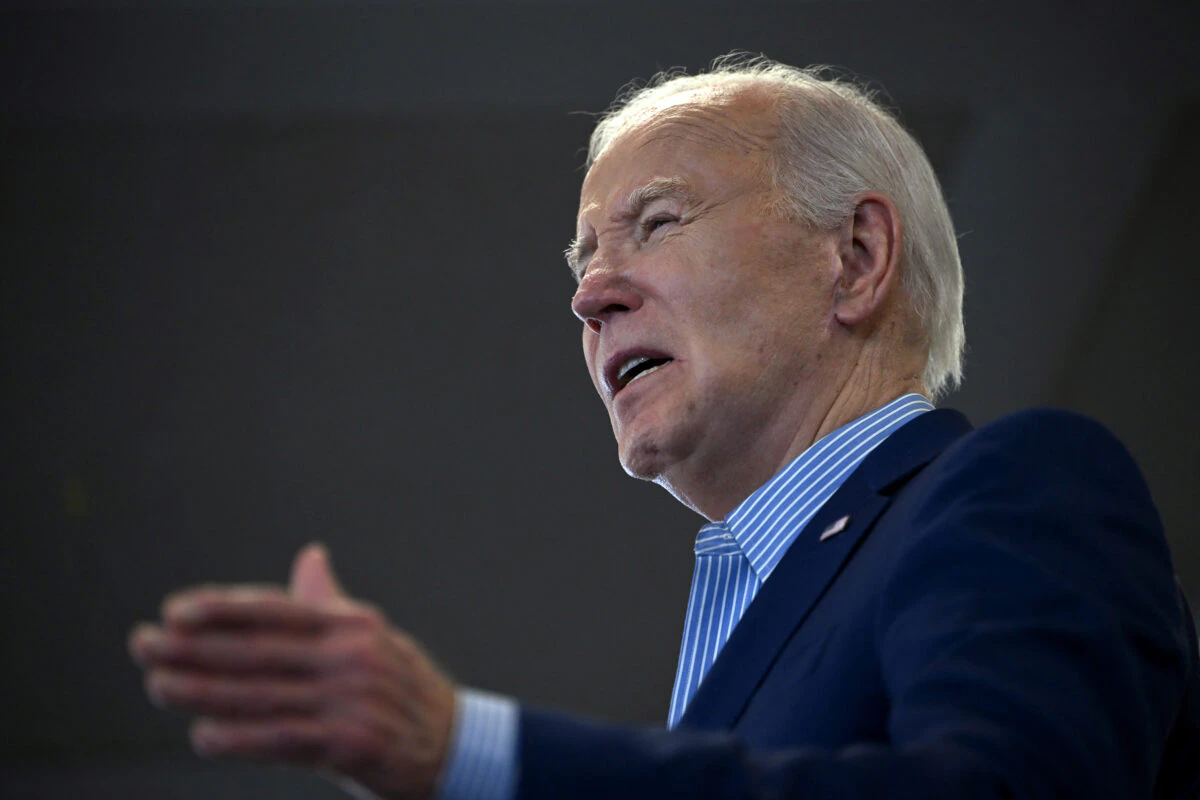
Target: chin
{"type": "Point", "coordinates": [653, 445]}
{"type": "Point", "coordinates": [640, 467]}
{"type": "Point", "coordinates": [641, 459]}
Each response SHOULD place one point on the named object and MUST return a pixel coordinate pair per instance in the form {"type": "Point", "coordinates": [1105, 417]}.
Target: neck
{"type": "Point", "coordinates": [715, 489]}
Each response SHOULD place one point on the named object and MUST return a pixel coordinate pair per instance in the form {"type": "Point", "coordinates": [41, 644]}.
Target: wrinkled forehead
{"type": "Point", "coordinates": [727, 125]}
{"type": "Point", "coordinates": [740, 117]}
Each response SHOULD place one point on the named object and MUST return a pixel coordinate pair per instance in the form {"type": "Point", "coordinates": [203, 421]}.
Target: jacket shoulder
{"type": "Point", "coordinates": [1042, 423]}
{"type": "Point", "coordinates": [1051, 444]}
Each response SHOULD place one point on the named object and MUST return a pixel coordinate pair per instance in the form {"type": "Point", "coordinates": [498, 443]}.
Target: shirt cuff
{"type": "Point", "coordinates": [482, 762]}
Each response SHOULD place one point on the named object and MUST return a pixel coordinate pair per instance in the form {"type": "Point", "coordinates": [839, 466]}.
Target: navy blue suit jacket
{"type": "Point", "coordinates": [999, 619]}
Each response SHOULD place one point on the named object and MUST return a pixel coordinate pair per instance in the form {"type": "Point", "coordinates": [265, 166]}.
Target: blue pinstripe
{"type": "Point", "coordinates": [734, 557]}
{"type": "Point", "coordinates": [482, 763]}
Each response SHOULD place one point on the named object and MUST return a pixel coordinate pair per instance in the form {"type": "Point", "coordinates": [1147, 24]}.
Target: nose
{"type": "Point", "coordinates": [602, 294]}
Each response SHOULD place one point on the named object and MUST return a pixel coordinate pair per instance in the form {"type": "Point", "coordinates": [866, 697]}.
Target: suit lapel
{"type": "Point", "coordinates": [811, 565]}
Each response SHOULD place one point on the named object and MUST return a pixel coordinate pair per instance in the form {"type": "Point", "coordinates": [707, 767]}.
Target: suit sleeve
{"type": "Point", "coordinates": [1032, 639]}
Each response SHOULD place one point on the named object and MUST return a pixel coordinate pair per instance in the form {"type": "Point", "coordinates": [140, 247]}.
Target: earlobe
{"type": "Point", "coordinates": [870, 258]}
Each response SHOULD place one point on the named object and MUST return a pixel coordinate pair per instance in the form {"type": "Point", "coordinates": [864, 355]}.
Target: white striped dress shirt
{"type": "Point", "coordinates": [735, 557]}
{"type": "Point", "coordinates": [482, 762]}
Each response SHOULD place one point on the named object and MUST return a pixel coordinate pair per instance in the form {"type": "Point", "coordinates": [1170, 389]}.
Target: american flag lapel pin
{"type": "Point", "coordinates": [835, 528]}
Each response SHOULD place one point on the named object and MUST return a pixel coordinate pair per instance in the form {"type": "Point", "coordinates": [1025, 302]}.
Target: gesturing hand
{"type": "Point", "coordinates": [306, 676]}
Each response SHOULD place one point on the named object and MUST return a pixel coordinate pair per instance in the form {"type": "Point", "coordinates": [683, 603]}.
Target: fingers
{"type": "Point", "coordinates": [310, 678]}
{"type": "Point", "coordinates": [351, 747]}
{"type": "Point", "coordinates": [245, 651]}
{"type": "Point", "coordinates": [297, 740]}
{"type": "Point", "coordinates": [239, 607]}
{"type": "Point", "coordinates": [232, 697]}
{"type": "Point", "coordinates": [257, 607]}
{"type": "Point", "coordinates": [385, 752]}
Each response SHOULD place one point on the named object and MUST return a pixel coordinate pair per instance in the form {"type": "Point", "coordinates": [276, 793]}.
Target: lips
{"type": "Point", "coordinates": [628, 366]}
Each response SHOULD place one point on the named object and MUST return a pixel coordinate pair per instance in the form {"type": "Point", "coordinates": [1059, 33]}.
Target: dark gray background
{"type": "Point", "coordinates": [279, 272]}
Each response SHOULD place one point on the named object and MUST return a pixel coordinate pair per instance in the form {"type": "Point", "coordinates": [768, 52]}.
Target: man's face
{"type": "Point", "coordinates": [705, 313]}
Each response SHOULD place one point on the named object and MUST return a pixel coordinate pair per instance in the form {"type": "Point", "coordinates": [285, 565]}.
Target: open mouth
{"type": "Point", "coordinates": [636, 367]}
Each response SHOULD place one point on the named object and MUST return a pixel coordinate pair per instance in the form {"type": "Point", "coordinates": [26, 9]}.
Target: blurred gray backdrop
{"type": "Point", "coordinates": [277, 272]}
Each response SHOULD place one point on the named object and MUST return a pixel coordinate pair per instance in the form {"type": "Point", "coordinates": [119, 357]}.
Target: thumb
{"type": "Point", "coordinates": [312, 577]}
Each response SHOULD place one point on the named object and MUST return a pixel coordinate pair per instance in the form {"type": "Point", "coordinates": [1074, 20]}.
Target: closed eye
{"type": "Point", "coordinates": [651, 224]}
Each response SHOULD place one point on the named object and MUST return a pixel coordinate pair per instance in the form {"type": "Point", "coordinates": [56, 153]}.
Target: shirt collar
{"type": "Point", "coordinates": [765, 524]}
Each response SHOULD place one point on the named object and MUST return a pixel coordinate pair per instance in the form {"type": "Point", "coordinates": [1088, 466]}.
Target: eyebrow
{"type": "Point", "coordinates": [632, 208]}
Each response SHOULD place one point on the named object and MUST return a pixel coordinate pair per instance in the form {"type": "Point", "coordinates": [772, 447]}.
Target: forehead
{"type": "Point", "coordinates": [699, 139]}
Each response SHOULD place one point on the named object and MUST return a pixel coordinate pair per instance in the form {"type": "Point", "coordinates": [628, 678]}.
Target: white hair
{"type": "Point", "coordinates": [836, 142]}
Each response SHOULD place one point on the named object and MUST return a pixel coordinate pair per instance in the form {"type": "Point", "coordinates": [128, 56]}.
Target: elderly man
{"type": "Point", "coordinates": [886, 603]}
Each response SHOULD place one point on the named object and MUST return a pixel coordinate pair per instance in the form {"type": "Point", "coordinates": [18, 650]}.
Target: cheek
{"type": "Point", "coordinates": [590, 343]}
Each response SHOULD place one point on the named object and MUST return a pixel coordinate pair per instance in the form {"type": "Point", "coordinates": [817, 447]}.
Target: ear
{"type": "Point", "coordinates": [870, 249]}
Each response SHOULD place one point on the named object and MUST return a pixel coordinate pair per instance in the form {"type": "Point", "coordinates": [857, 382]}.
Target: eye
{"type": "Point", "coordinates": [651, 224]}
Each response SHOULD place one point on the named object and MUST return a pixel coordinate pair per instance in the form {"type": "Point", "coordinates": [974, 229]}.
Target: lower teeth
{"type": "Point", "coordinates": [645, 372]}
